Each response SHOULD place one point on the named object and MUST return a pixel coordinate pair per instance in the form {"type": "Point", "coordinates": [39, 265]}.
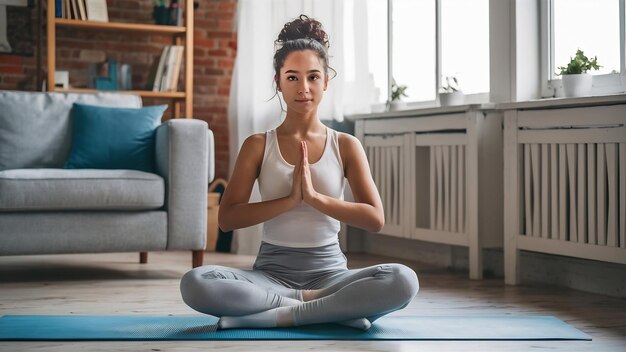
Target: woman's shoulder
{"type": "Point", "coordinates": [347, 142]}
{"type": "Point", "coordinates": [253, 147]}
{"type": "Point", "coordinates": [350, 149]}
{"type": "Point", "coordinates": [255, 140]}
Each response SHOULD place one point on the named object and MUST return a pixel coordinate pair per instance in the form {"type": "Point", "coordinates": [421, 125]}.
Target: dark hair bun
{"type": "Point", "coordinates": [303, 27]}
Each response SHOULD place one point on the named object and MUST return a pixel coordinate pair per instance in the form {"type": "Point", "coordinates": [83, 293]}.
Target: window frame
{"type": "Point", "coordinates": [610, 83]}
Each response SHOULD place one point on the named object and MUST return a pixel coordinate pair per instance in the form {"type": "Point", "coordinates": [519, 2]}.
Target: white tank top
{"type": "Point", "coordinates": [303, 225]}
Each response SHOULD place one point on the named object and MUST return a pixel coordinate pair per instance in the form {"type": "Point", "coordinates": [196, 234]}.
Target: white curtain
{"type": "Point", "coordinates": [250, 108]}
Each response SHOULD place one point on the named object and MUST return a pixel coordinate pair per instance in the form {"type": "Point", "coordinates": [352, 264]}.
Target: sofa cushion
{"type": "Point", "coordinates": [85, 189]}
{"type": "Point", "coordinates": [35, 127]}
{"type": "Point", "coordinates": [114, 138]}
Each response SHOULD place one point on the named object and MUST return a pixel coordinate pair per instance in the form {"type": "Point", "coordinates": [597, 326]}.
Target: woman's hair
{"type": "Point", "coordinates": [303, 33]}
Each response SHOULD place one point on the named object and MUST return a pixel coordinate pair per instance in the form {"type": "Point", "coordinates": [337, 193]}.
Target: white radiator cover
{"type": "Point", "coordinates": [440, 177]}
{"type": "Point", "coordinates": [565, 184]}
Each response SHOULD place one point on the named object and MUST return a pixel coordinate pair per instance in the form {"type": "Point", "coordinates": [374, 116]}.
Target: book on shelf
{"type": "Point", "coordinates": [58, 8]}
{"type": "Point", "coordinates": [75, 12]}
{"type": "Point", "coordinates": [96, 10]}
{"type": "Point", "coordinates": [67, 10]}
{"type": "Point", "coordinates": [173, 86]}
{"type": "Point", "coordinates": [170, 84]}
{"type": "Point", "coordinates": [81, 10]}
{"type": "Point", "coordinates": [156, 84]}
{"type": "Point", "coordinates": [167, 71]}
{"type": "Point", "coordinates": [152, 75]}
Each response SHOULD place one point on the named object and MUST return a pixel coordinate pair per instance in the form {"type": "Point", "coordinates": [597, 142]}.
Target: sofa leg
{"type": "Point", "coordinates": [143, 257]}
{"type": "Point", "coordinates": [196, 258]}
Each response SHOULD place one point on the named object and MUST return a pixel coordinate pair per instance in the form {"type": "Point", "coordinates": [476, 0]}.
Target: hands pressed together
{"type": "Point", "coordinates": [302, 187]}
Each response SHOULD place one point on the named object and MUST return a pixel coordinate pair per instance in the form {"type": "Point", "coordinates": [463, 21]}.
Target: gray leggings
{"type": "Point", "coordinates": [284, 271]}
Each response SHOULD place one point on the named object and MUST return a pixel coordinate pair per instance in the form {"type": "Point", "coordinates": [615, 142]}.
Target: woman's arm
{"type": "Point", "coordinates": [235, 211]}
{"type": "Point", "coordinates": [367, 210]}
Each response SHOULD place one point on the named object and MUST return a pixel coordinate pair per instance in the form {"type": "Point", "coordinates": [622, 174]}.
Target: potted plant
{"type": "Point", "coordinates": [397, 92]}
{"type": "Point", "coordinates": [450, 93]}
{"type": "Point", "coordinates": [576, 81]}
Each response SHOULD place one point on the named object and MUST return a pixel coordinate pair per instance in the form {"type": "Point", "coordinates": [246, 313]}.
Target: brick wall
{"type": "Point", "coordinates": [215, 47]}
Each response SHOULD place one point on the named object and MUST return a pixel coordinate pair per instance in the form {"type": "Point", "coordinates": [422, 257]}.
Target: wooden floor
{"type": "Point", "coordinates": [117, 284]}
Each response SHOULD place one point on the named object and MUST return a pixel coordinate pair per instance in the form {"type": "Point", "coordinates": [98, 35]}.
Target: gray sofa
{"type": "Point", "coordinates": [45, 209]}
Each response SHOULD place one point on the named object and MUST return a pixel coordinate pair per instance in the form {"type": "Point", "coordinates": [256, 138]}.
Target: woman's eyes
{"type": "Point", "coordinates": [313, 78]}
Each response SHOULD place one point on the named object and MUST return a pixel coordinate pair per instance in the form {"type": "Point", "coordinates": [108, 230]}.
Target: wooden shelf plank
{"type": "Point", "coordinates": [142, 93]}
{"type": "Point", "coordinates": [119, 26]}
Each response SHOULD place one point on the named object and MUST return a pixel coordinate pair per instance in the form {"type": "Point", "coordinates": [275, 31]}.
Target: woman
{"type": "Point", "coordinates": [300, 274]}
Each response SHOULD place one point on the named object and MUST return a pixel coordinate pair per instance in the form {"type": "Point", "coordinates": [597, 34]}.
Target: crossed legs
{"type": "Point", "coordinates": [248, 298]}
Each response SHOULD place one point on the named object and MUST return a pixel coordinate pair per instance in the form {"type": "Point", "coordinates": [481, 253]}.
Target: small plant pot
{"type": "Point", "coordinates": [577, 85]}
{"type": "Point", "coordinates": [397, 105]}
{"type": "Point", "coordinates": [453, 98]}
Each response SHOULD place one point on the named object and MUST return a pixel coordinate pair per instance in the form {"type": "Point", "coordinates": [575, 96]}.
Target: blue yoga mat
{"type": "Point", "coordinates": [81, 327]}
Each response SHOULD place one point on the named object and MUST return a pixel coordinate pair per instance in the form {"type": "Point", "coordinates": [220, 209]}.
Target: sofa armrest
{"type": "Point", "coordinates": [182, 159]}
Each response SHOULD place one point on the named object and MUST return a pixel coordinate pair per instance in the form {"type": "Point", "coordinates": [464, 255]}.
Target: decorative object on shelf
{"type": "Point", "coordinates": [103, 75]}
{"type": "Point", "coordinates": [62, 79]}
{"type": "Point", "coordinates": [576, 81]}
{"type": "Point", "coordinates": [450, 93]}
{"type": "Point", "coordinates": [109, 75]}
{"type": "Point", "coordinates": [397, 92]}
{"type": "Point", "coordinates": [160, 13]}
{"type": "Point", "coordinates": [168, 12]}
{"type": "Point", "coordinates": [125, 77]}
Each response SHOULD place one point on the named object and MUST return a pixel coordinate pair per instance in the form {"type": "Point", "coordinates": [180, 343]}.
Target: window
{"type": "Point", "coordinates": [377, 47]}
{"type": "Point", "coordinates": [465, 43]}
{"type": "Point", "coordinates": [414, 48]}
{"type": "Point", "coordinates": [414, 60]}
{"type": "Point", "coordinates": [599, 35]}
{"type": "Point", "coordinates": [592, 26]}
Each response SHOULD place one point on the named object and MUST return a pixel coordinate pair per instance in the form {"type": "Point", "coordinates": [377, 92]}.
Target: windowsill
{"type": "Point", "coordinates": [608, 99]}
{"type": "Point", "coordinates": [545, 103]}
{"type": "Point", "coordinates": [437, 110]}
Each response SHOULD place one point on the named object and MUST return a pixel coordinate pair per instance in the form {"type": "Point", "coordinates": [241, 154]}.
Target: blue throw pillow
{"type": "Point", "coordinates": [114, 138]}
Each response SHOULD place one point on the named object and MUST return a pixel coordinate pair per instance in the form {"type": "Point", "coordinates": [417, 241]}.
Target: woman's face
{"type": "Point", "coordinates": [303, 81]}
